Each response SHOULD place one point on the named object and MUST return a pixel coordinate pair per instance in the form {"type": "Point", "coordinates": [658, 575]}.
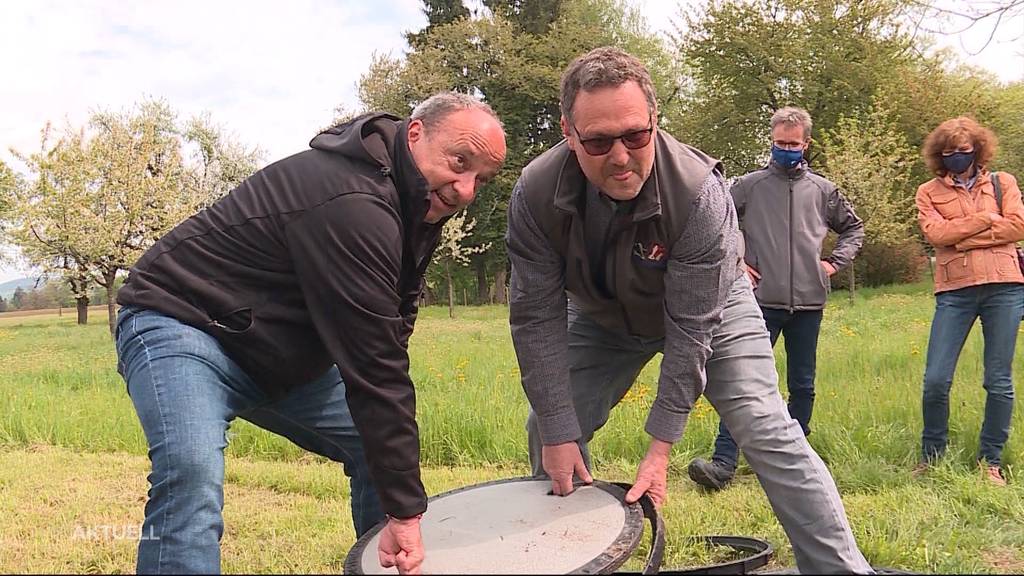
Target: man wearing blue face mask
{"type": "Point", "coordinates": [785, 212]}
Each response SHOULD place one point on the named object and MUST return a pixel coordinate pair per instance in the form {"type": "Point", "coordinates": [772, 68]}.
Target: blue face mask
{"type": "Point", "coordinates": [958, 162]}
{"type": "Point", "coordinates": [786, 158]}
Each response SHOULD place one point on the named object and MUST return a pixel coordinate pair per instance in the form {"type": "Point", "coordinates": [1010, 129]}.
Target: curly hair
{"type": "Point", "coordinates": [953, 133]}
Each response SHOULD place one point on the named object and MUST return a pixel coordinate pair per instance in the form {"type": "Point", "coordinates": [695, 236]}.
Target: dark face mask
{"type": "Point", "coordinates": [958, 162]}
{"type": "Point", "coordinates": [786, 158]}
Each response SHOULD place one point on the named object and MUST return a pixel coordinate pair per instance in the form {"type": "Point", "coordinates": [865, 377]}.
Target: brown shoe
{"type": "Point", "coordinates": [920, 470]}
{"type": "Point", "coordinates": [993, 474]}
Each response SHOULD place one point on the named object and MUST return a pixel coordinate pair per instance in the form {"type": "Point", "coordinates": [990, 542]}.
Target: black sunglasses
{"type": "Point", "coordinates": [603, 144]}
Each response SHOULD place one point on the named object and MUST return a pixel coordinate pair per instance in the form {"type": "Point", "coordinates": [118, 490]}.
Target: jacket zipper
{"type": "Point", "coordinates": [790, 198]}
{"type": "Point", "coordinates": [610, 233]}
{"type": "Point", "coordinates": [605, 287]}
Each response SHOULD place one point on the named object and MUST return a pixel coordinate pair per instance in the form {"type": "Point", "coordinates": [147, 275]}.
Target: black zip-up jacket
{"type": "Point", "coordinates": [315, 260]}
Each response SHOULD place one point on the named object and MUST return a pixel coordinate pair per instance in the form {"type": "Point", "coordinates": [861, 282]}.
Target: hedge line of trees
{"type": "Point", "coordinates": [45, 296]}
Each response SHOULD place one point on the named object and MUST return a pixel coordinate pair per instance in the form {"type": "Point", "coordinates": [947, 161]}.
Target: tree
{"type": "Point", "coordinates": [79, 282]}
{"type": "Point", "coordinates": [529, 16]}
{"type": "Point", "coordinates": [50, 225]}
{"type": "Point", "coordinates": [921, 96]}
{"type": "Point", "coordinates": [3, 304]}
{"type": "Point", "coordinates": [961, 17]}
{"type": "Point", "coordinates": [216, 162]}
{"type": "Point", "coordinates": [1008, 124]}
{"type": "Point", "coordinates": [9, 183]}
{"type": "Point", "coordinates": [438, 13]}
{"type": "Point", "coordinates": [104, 194]}
{"type": "Point", "coordinates": [17, 299]}
{"type": "Point", "coordinates": [869, 159]}
{"type": "Point", "coordinates": [750, 58]}
{"type": "Point", "coordinates": [452, 251]}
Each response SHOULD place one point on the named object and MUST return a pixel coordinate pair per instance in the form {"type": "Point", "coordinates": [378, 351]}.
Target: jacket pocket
{"type": "Point", "coordinates": [826, 282]}
{"type": "Point", "coordinates": [947, 204]}
{"type": "Point", "coordinates": [953, 266]}
{"type": "Point", "coordinates": [1005, 258]}
{"type": "Point", "coordinates": [234, 322]}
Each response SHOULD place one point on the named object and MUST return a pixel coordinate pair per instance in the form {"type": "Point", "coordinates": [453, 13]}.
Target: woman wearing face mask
{"type": "Point", "coordinates": [977, 275]}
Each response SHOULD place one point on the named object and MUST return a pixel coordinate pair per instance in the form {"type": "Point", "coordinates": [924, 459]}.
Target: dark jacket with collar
{"type": "Point", "coordinates": [785, 216]}
{"type": "Point", "coordinates": [315, 260]}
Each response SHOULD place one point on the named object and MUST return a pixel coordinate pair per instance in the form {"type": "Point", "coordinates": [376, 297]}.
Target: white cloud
{"type": "Point", "coordinates": [271, 72]}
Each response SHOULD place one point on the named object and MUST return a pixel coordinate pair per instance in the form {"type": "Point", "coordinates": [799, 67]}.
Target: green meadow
{"type": "Point", "coordinates": [73, 457]}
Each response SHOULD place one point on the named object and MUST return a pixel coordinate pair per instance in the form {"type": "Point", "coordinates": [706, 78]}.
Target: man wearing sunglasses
{"type": "Point", "coordinates": [628, 238]}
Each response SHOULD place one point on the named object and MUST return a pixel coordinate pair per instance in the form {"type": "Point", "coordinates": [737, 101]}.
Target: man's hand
{"type": "Point", "coordinates": [401, 545]}
{"type": "Point", "coordinates": [753, 274]}
{"type": "Point", "coordinates": [829, 268]}
{"type": "Point", "coordinates": [652, 475]}
{"type": "Point", "coordinates": [560, 462]}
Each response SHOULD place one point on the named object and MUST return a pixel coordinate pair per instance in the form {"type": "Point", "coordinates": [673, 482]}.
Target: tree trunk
{"type": "Point", "coordinates": [853, 285]}
{"type": "Point", "coordinates": [451, 295]}
{"type": "Point", "coordinates": [82, 304]}
{"type": "Point", "coordinates": [500, 293]}
{"type": "Point", "coordinates": [483, 288]}
{"type": "Point", "coordinates": [108, 280]}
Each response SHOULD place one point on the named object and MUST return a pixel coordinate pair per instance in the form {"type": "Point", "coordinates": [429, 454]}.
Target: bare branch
{"type": "Point", "coordinates": [969, 18]}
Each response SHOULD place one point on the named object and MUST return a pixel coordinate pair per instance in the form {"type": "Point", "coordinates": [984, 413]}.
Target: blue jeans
{"type": "Point", "coordinates": [186, 392]}
{"type": "Point", "coordinates": [801, 330]}
{"type": "Point", "coordinates": [1000, 307]}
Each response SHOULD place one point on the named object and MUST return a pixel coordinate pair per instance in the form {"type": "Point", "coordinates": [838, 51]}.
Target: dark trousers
{"type": "Point", "coordinates": [800, 330]}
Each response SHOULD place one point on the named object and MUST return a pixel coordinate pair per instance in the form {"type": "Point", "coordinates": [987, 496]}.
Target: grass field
{"type": "Point", "coordinates": [73, 465]}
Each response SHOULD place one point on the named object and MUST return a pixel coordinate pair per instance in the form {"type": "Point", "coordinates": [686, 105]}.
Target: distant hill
{"type": "Point", "coordinates": [8, 288]}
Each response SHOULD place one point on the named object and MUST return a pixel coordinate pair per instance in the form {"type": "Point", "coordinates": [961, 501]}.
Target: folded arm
{"type": "Point", "coordinates": [1005, 230]}
{"type": "Point", "coordinates": [940, 231]}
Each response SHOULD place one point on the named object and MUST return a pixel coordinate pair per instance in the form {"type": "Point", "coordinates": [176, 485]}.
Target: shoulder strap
{"type": "Point", "coordinates": [998, 190]}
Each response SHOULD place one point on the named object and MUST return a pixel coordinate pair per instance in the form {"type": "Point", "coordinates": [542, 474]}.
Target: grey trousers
{"type": "Point", "coordinates": [742, 385]}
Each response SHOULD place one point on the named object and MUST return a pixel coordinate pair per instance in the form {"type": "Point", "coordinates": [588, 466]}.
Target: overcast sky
{"type": "Point", "coordinates": [269, 72]}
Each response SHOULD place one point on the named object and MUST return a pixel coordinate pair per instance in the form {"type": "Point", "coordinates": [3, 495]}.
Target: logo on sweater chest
{"type": "Point", "coordinates": [650, 255]}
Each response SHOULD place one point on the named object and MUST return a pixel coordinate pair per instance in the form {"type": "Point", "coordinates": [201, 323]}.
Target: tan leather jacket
{"type": "Point", "coordinates": [972, 244]}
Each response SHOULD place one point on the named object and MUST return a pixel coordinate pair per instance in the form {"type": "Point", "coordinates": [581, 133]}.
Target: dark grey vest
{"type": "Point", "coordinates": [627, 296]}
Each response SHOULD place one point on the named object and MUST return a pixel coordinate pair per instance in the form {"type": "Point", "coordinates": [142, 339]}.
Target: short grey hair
{"type": "Point", "coordinates": [437, 107]}
{"type": "Point", "coordinates": [604, 67]}
{"type": "Point", "coordinates": [793, 116]}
